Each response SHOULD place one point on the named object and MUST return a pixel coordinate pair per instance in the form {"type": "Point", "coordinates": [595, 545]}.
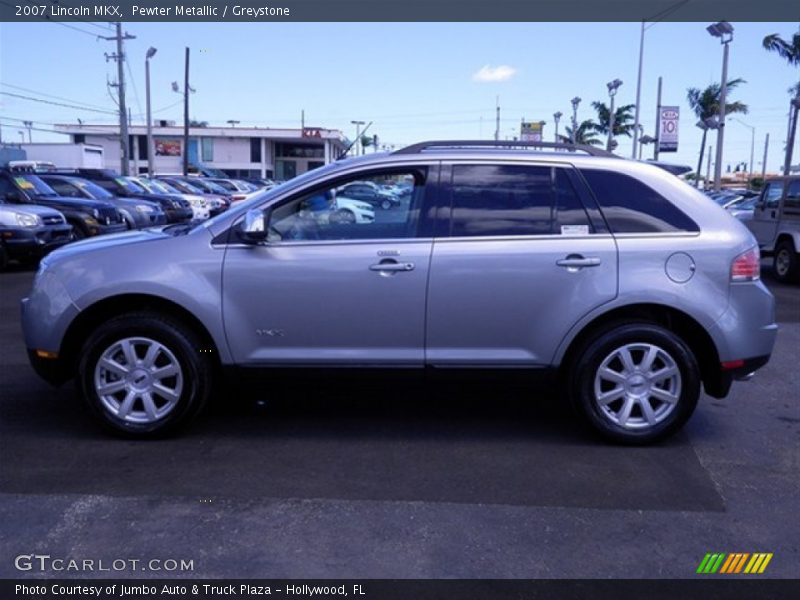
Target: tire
{"type": "Point", "coordinates": [603, 400]}
{"type": "Point", "coordinates": [786, 263]}
{"type": "Point", "coordinates": [78, 233]}
{"type": "Point", "coordinates": [344, 217]}
{"type": "Point", "coordinates": [177, 396]}
{"type": "Point", "coordinates": [386, 204]}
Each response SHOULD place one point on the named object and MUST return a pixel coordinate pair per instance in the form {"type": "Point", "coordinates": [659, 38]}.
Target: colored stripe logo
{"type": "Point", "coordinates": [736, 562]}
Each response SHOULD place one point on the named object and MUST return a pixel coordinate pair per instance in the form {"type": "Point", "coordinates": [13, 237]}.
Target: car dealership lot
{"type": "Point", "coordinates": [363, 479]}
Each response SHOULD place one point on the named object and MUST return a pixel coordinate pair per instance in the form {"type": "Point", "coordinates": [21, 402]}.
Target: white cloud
{"type": "Point", "coordinates": [499, 73]}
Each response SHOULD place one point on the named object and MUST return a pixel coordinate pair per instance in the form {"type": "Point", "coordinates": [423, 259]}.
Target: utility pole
{"type": "Point", "coordinates": [658, 122]}
{"type": "Point", "coordinates": [557, 117]}
{"type": "Point", "coordinates": [151, 52]}
{"type": "Point", "coordinates": [795, 108]}
{"type": "Point", "coordinates": [575, 102]}
{"type": "Point", "coordinates": [28, 125]}
{"type": "Point", "coordinates": [302, 119]}
{"type": "Point", "coordinates": [708, 168]}
{"type": "Point", "coordinates": [764, 164]}
{"type": "Point", "coordinates": [638, 97]}
{"type": "Point", "coordinates": [497, 121]}
{"type": "Point", "coordinates": [119, 57]}
{"type": "Point", "coordinates": [358, 125]}
{"type": "Point", "coordinates": [186, 116]}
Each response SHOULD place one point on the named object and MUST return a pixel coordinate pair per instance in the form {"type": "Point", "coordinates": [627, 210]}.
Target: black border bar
{"type": "Point", "coordinates": [402, 10]}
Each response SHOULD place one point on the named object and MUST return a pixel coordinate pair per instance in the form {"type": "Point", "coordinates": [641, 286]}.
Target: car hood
{"type": "Point", "coordinates": [79, 203]}
{"type": "Point", "coordinates": [29, 209]}
{"type": "Point", "coordinates": [104, 242]}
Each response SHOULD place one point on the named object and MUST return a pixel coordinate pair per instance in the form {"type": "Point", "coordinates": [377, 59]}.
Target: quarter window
{"type": "Point", "coordinates": [509, 200]}
{"type": "Point", "coordinates": [630, 206]}
{"type": "Point", "coordinates": [387, 208]}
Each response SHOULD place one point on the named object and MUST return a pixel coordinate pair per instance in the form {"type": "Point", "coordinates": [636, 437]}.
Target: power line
{"type": "Point", "coordinates": [78, 102]}
{"type": "Point", "coordinates": [82, 108]}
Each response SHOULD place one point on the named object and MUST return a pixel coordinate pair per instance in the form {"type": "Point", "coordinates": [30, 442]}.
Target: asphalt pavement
{"type": "Point", "coordinates": [360, 479]}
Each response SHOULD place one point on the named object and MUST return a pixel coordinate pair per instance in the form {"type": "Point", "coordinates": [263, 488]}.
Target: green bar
{"type": "Point", "coordinates": [718, 563]}
{"type": "Point", "coordinates": [702, 566]}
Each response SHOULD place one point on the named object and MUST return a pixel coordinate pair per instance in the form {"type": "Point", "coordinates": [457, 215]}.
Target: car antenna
{"type": "Point", "coordinates": [353, 143]}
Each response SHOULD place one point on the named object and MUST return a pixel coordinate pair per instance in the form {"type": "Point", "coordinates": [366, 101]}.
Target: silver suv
{"type": "Point", "coordinates": [776, 225]}
{"type": "Point", "coordinates": [614, 277]}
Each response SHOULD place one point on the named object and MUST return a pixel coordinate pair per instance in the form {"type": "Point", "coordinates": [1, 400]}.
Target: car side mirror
{"type": "Point", "coordinates": [253, 230]}
{"type": "Point", "coordinates": [14, 196]}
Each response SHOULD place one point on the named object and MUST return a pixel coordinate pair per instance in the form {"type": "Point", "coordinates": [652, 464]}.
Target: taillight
{"type": "Point", "coordinates": [746, 266]}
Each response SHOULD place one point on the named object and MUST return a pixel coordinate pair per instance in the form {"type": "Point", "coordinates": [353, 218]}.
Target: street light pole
{"type": "Point", "coordinates": [764, 164]}
{"type": "Point", "coordinates": [638, 96]}
{"type": "Point", "coordinates": [150, 146]}
{"type": "Point", "coordinates": [752, 148]}
{"type": "Point", "coordinates": [724, 31]}
{"type": "Point", "coordinates": [575, 102]}
{"type": "Point", "coordinates": [358, 125]}
{"type": "Point", "coordinates": [613, 86]}
{"type": "Point", "coordinates": [557, 117]}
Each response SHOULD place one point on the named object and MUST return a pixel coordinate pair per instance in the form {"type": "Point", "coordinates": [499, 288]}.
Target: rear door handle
{"type": "Point", "coordinates": [576, 261]}
{"type": "Point", "coordinates": [392, 266]}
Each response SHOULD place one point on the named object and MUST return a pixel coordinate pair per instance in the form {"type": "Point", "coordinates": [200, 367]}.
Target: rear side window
{"type": "Point", "coordinates": [507, 200]}
{"type": "Point", "coordinates": [791, 203]}
{"type": "Point", "coordinates": [630, 206]}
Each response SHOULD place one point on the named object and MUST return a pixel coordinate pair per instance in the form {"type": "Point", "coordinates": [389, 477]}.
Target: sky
{"type": "Point", "coordinates": [415, 81]}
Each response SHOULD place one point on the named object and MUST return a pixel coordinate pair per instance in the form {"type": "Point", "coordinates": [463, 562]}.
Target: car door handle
{"type": "Point", "coordinates": [392, 266]}
{"type": "Point", "coordinates": [576, 261]}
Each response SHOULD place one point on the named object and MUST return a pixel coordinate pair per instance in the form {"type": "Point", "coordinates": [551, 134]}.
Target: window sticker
{"type": "Point", "coordinates": [574, 230]}
{"type": "Point", "coordinates": [23, 183]}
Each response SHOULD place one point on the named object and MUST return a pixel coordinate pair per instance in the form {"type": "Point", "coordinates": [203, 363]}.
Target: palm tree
{"type": "Point", "coordinates": [585, 134]}
{"type": "Point", "coordinates": [789, 50]}
{"type": "Point", "coordinates": [705, 104]}
{"type": "Point", "coordinates": [623, 119]}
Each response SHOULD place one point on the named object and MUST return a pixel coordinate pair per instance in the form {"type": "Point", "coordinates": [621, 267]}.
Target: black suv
{"type": "Point", "coordinates": [175, 208]}
{"type": "Point", "coordinates": [87, 217]}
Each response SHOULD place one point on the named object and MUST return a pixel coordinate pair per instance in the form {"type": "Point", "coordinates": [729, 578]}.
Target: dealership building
{"type": "Point", "coordinates": [237, 151]}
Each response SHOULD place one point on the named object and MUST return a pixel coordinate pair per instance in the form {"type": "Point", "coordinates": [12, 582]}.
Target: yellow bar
{"type": "Point", "coordinates": [765, 563]}
{"type": "Point", "coordinates": [749, 567]}
{"type": "Point", "coordinates": [741, 562]}
{"type": "Point", "coordinates": [758, 562]}
{"type": "Point", "coordinates": [727, 562]}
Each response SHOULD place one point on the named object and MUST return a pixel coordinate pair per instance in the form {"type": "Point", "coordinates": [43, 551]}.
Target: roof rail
{"type": "Point", "coordinates": [421, 146]}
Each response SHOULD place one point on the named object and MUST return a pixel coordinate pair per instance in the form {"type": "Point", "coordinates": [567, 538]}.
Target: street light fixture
{"type": "Point", "coordinates": [151, 52]}
{"type": "Point", "coordinates": [232, 122]}
{"type": "Point", "coordinates": [575, 102]}
{"type": "Point", "coordinates": [724, 31]}
{"type": "Point", "coordinates": [557, 117]}
{"type": "Point", "coordinates": [612, 86]}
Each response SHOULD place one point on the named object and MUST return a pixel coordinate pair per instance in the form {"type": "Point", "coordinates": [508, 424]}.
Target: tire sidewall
{"type": "Point", "coordinates": [593, 354]}
{"type": "Point", "coordinates": [791, 271]}
{"type": "Point", "coordinates": [196, 378]}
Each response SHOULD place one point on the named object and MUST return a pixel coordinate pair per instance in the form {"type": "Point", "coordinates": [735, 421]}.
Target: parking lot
{"type": "Point", "coordinates": [364, 479]}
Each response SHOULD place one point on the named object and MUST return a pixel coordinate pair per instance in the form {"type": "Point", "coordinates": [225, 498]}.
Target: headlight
{"type": "Point", "coordinates": [143, 208]}
{"type": "Point", "coordinates": [24, 220]}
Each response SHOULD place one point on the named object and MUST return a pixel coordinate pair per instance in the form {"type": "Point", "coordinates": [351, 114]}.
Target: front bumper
{"type": "Point", "coordinates": [52, 370]}
{"type": "Point", "coordinates": [179, 215]}
{"type": "Point", "coordinates": [33, 243]}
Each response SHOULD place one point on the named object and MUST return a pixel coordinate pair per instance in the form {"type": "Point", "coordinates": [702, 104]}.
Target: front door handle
{"type": "Point", "coordinates": [392, 266]}
{"type": "Point", "coordinates": [576, 261]}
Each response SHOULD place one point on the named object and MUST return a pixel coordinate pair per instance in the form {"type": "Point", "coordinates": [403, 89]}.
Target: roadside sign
{"type": "Point", "coordinates": [531, 132]}
{"type": "Point", "coordinates": [668, 128]}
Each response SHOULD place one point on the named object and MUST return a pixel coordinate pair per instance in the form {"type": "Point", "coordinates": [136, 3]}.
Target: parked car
{"type": "Point", "coordinates": [611, 279]}
{"type": "Point", "coordinates": [238, 190]}
{"type": "Point", "coordinates": [743, 208]}
{"type": "Point", "coordinates": [176, 209]}
{"type": "Point", "coordinates": [138, 214]}
{"type": "Point", "coordinates": [217, 203]}
{"type": "Point", "coordinates": [29, 232]}
{"type": "Point", "coordinates": [776, 225]}
{"type": "Point", "coordinates": [199, 204]}
{"type": "Point", "coordinates": [87, 217]}
{"type": "Point", "coordinates": [368, 191]}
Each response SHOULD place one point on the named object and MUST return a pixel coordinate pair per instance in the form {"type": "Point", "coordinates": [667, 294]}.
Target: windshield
{"type": "Point", "coordinates": [130, 185]}
{"type": "Point", "coordinates": [33, 185]}
{"type": "Point", "coordinates": [158, 187]}
{"type": "Point", "coordinates": [94, 190]}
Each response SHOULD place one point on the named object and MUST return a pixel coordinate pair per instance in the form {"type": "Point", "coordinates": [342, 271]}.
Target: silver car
{"type": "Point", "coordinates": [613, 278]}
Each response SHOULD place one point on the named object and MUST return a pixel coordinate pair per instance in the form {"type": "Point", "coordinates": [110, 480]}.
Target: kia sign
{"type": "Point", "coordinates": [668, 128]}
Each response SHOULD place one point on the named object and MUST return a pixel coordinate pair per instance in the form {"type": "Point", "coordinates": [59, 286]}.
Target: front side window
{"type": "Point", "coordinates": [772, 194]}
{"type": "Point", "coordinates": [509, 200]}
{"type": "Point", "coordinates": [330, 213]}
{"type": "Point", "coordinates": [630, 206]}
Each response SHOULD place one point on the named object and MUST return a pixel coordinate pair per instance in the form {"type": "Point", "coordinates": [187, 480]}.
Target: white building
{"type": "Point", "coordinates": [238, 151]}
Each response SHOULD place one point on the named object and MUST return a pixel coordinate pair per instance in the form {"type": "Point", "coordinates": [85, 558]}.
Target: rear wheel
{"type": "Point", "coordinates": [635, 383]}
{"type": "Point", "coordinates": [786, 264]}
{"type": "Point", "coordinates": [143, 375]}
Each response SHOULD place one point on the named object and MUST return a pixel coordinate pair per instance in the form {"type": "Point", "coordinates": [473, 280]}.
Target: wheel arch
{"type": "Point", "coordinates": [788, 236]}
{"type": "Point", "coordinates": [95, 314]}
{"type": "Point", "coordinates": [677, 321]}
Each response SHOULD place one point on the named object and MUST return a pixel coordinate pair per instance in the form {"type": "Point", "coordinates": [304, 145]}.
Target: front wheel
{"type": "Point", "coordinates": [635, 383]}
{"type": "Point", "coordinates": [143, 374]}
{"type": "Point", "coordinates": [786, 263]}
{"type": "Point", "coordinates": [386, 204]}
